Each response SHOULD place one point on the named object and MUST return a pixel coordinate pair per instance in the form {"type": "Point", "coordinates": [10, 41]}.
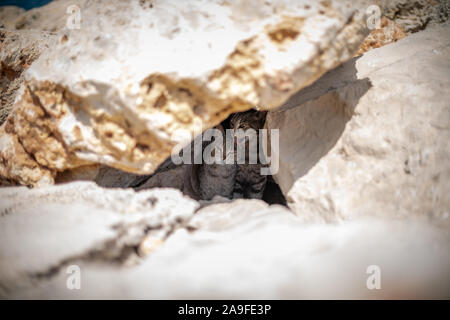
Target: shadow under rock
{"type": "Point", "coordinates": [339, 77]}
{"type": "Point", "coordinates": [319, 113]}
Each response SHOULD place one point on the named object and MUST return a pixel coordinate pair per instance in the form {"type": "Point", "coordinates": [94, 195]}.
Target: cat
{"type": "Point", "coordinates": [249, 183]}
{"type": "Point", "coordinates": [199, 181]}
{"type": "Point", "coordinates": [205, 181]}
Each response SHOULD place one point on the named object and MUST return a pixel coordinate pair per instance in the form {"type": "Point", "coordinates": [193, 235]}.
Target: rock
{"type": "Point", "coordinates": [54, 16]}
{"type": "Point", "coordinates": [415, 15]}
{"type": "Point", "coordinates": [149, 245]}
{"type": "Point", "coordinates": [8, 14]}
{"type": "Point", "coordinates": [364, 152]}
{"type": "Point", "coordinates": [388, 32]}
{"type": "Point", "coordinates": [18, 50]}
{"type": "Point", "coordinates": [139, 79]}
{"type": "Point", "coordinates": [372, 137]}
{"type": "Point", "coordinates": [228, 215]}
{"type": "Point", "coordinates": [43, 229]}
{"type": "Point", "coordinates": [102, 175]}
{"type": "Point", "coordinates": [273, 255]}
{"type": "Point", "coordinates": [244, 248]}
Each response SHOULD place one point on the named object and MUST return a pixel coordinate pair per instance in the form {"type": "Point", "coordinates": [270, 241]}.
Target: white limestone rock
{"type": "Point", "coordinates": [242, 249]}
{"type": "Point", "coordinates": [274, 255]}
{"type": "Point", "coordinates": [138, 77]}
{"type": "Point", "coordinates": [8, 14]}
{"type": "Point", "coordinates": [18, 50]}
{"type": "Point", "coordinates": [46, 228]}
{"type": "Point", "coordinates": [416, 15]}
{"type": "Point", "coordinates": [372, 137]}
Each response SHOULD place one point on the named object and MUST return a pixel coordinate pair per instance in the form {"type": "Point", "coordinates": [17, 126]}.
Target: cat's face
{"type": "Point", "coordinates": [251, 119]}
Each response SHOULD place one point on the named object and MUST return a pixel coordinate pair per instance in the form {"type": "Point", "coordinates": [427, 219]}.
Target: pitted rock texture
{"type": "Point", "coordinates": [18, 50]}
{"type": "Point", "coordinates": [388, 32]}
{"type": "Point", "coordinates": [44, 229]}
{"type": "Point", "coordinates": [366, 147]}
{"type": "Point", "coordinates": [372, 137]}
{"type": "Point", "coordinates": [135, 80]}
{"type": "Point", "coordinates": [415, 15]}
{"type": "Point", "coordinates": [8, 14]}
{"type": "Point", "coordinates": [51, 17]}
{"type": "Point", "coordinates": [246, 249]}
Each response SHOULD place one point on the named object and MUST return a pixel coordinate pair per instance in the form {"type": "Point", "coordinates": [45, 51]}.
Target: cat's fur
{"type": "Point", "coordinates": [204, 181]}
{"type": "Point", "coordinates": [249, 182]}
{"type": "Point", "coordinates": [198, 181]}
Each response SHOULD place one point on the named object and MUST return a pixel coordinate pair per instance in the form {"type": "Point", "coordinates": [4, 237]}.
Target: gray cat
{"type": "Point", "coordinates": [198, 181]}
{"type": "Point", "coordinates": [249, 182]}
{"type": "Point", "coordinates": [204, 181]}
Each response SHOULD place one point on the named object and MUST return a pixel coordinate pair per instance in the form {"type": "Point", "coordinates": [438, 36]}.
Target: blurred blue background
{"type": "Point", "coordinates": [26, 4]}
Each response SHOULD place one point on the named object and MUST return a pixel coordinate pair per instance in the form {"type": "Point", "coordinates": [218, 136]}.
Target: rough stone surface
{"type": "Point", "coordinates": [42, 230]}
{"type": "Point", "coordinates": [139, 78]}
{"type": "Point", "coordinates": [364, 153]}
{"type": "Point", "coordinates": [374, 136]}
{"type": "Point", "coordinates": [8, 14]}
{"type": "Point", "coordinates": [246, 250]}
{"type": "Point", "coordinates": [18, 50]}
{"type": "Point", "coordinates": [388, 32]}
{"type": "Point", "coordinates": [52, 17]}
{"type": "Point", "coordinates": [231, 214]}
{"type": "Point", "coordinates": [415, 15]}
